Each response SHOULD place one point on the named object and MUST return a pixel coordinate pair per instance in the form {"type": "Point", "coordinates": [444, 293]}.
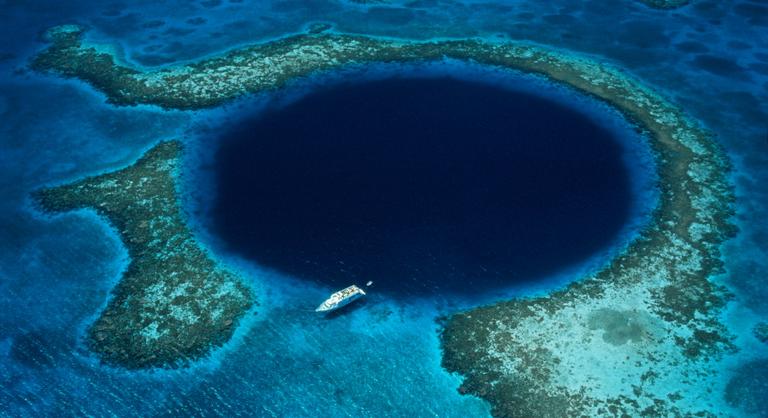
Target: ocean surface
{"type": "Point", "coordinates": [382, 357]}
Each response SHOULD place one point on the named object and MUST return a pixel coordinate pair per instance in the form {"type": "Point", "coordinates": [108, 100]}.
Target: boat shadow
{"type": "Point", "coordinates": [347, 310]}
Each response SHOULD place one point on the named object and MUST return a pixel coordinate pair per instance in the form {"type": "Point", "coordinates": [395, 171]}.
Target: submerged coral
{"type": "Point", "coordinates": [761, 332]}
{"type": "Point", "coordinates": [748, 389]}
{"type": "Point", "coordinates": [173, 302]}
{"type": "Point", "coordinates": [666, 4]}
{"type": "Point", "coordinates": [610, 344]}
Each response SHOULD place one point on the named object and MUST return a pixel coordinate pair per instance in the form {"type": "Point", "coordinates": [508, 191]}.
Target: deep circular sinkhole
{"type": "Point", "coordinates": [421, 185]}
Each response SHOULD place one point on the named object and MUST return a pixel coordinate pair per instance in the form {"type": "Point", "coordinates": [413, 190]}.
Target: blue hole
{"type": "Point", "coordinates": [422, 185]}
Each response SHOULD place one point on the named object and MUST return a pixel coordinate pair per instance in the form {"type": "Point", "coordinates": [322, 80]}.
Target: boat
{"type": "Point", "coordinates": [341, 298]}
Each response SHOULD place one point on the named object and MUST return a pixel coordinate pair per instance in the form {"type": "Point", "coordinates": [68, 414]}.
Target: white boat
{"type": "Point", "coordinates": [341, 298]}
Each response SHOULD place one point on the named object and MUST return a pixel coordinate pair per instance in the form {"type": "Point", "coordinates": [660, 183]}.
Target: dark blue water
{"type": "Point", "coordinates": [421, 185]}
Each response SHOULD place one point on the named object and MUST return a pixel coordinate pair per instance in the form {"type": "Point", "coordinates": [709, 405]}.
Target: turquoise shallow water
{"type": "Point", "coordinates": [710, 57]}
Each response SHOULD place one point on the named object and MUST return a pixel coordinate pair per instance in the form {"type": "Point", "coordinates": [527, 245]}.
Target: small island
{"type": "Point", "coordinates": [173, 302]}
{"type": "Point", "coordinates": [606, 345]}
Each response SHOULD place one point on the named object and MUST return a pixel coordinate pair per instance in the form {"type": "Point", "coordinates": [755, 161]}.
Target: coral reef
{"type": "Point", "coordinates": [613, 344]}
{"type": "Point", "coordinates": [173, 303]}
{"type": "Point", "coordinates": [610, 344]}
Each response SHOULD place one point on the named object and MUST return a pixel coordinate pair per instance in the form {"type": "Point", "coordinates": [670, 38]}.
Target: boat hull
{"type": "Point", "coordinates": [340, 299]}
{"type": "Point", "coordinates": [338, 305]}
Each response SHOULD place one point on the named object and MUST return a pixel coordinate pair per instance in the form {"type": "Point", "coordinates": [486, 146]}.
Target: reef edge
{"type": "Point", "coordinates": [173, 303]}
